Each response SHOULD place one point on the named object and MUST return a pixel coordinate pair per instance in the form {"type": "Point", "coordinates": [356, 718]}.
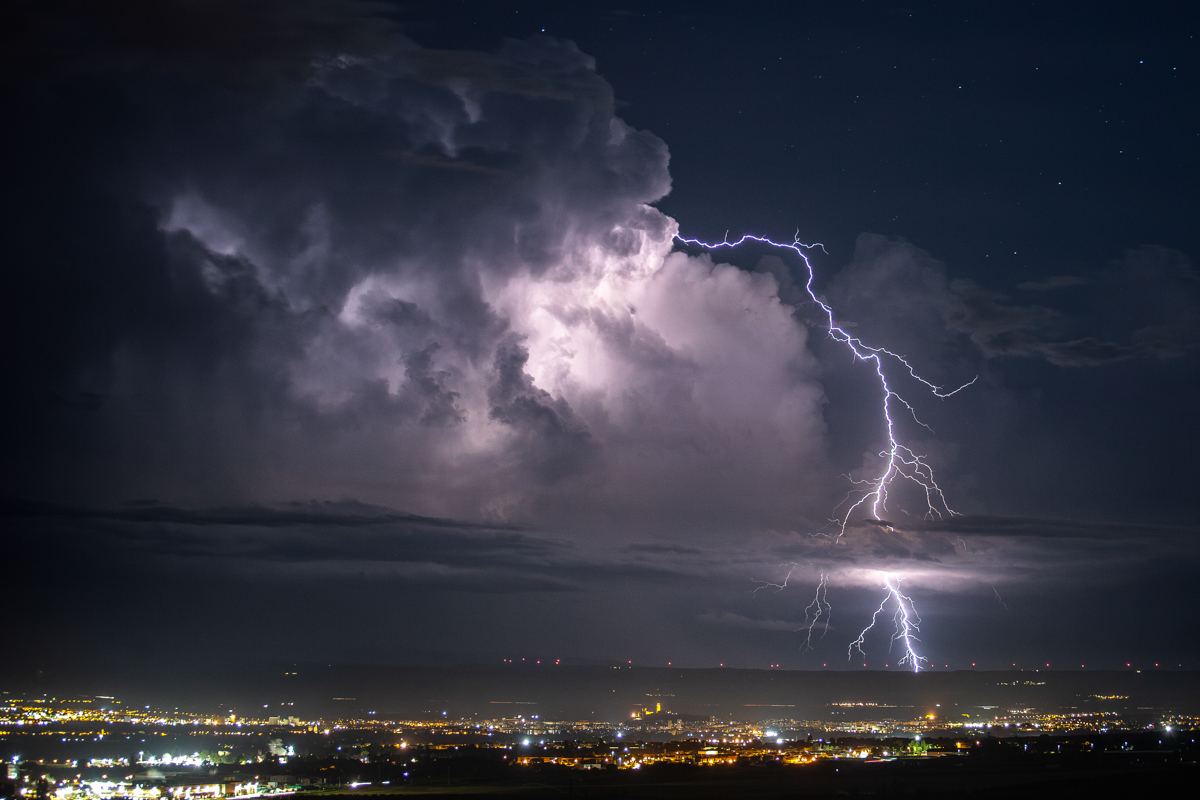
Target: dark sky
{"type": "Point", "coordinates": [357, 332]}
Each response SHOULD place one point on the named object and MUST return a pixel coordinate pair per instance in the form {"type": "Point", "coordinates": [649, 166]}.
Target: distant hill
{"type": "Point", "coordinates": [605, 693]}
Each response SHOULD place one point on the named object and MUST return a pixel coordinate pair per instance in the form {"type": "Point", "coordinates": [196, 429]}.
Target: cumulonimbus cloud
{"type": "Point", "coordinates": [427, 279]}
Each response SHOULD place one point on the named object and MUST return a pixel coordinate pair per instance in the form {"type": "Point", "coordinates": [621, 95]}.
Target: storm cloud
{"type": "Point", "coordinates": [426, 279]}
{"type": "Point", "coordinates": [298, 301]}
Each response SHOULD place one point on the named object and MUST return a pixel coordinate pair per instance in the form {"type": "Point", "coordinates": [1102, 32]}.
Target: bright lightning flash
{"type": "Point", "coordinates": [907, 624]}
{"type": "Point", "coordinates": [901, 461]}
{"type": "Point", "coordinates": [813, 612]}
{"type": "Point", "coordinates": [818, 608]}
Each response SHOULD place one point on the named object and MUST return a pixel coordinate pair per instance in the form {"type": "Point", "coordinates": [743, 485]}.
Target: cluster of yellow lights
{"type": "Point", "coordinates": [45, 714]}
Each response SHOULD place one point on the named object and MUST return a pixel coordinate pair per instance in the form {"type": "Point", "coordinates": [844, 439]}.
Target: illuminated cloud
{"type": "Point", "coordinates": [432, 280]}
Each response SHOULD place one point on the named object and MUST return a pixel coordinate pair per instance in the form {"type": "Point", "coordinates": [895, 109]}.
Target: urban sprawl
{"type": "Point", "coordinates": [100, 747]}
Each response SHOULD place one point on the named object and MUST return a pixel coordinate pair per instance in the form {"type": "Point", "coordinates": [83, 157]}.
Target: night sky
{"type": "Point", "coordinates": [357, 332]}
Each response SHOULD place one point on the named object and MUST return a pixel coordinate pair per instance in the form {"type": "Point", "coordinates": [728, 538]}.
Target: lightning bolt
{"type": "Point", "coordinates": [901, 462]}
{"type": "Point", "coordinates": [816, 609]}
{"type": "Point", "coordinates": [907, 623]}
{"type": "Point", "coordinates": [778, 587]}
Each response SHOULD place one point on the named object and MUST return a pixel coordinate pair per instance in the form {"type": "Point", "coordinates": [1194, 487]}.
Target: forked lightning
{"type": "Point", "coordinates": [900, 461]}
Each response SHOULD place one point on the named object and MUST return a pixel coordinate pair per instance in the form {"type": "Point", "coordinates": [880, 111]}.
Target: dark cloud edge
{"type": "Point", "coordinates": [159, 530]}
{"type": "Point", "coordinates": [357, 515]}
{"type": "Point", "coordinates": [312, 513]}
{"type": "Point", "coordinates": [1035, 527]}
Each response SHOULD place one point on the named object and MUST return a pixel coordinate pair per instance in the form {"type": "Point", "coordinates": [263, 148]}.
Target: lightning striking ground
{"type": "Point", "coordinates": [901, 462]}
{"type": "Point", "coordinates": [813, 612]}
{"type": "Point", "coordinates": [908, 623]}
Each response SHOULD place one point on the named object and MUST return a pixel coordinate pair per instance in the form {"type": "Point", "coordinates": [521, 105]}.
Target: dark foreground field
{"type": "Point", "coordinates": [929, 778]}
{"type": "Point", "coordinates": [1143, 765]}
